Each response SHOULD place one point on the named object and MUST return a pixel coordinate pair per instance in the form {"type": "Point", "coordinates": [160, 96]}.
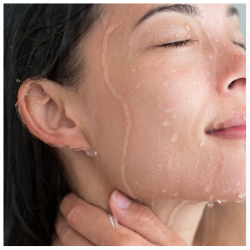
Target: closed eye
{"type": "Point", "coordinates": [241, 45]}
{"type": "Point", "coordinates": [188, 42]}
{"type": "Point", "coordinates": [177, 44]}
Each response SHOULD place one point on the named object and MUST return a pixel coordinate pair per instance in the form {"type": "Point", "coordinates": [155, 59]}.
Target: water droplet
{"type": "Point", "coordinates": [241, 196]}
{"type": "Point", "coordinates": [194, 82]}
{"type": "Point", "coordinates": [240, 201]}
{"type": "Point", "coordinates": [201, 54]}
{"type": "Point", "coordinates": [91, 153]}
{"type": "Point", "coordinates": [188, 36]}
{"type": "Point", "coordinates": [138, 85]}
{"type": "Point", "coordinates": [202, 142]}
{"type": "Point", "coordinates": [216, 125]}
{"type": "Point", "coordinates": [222, 202]}
{"type": "Point", "coordinates": [164, 190]}
{"type": "Point", "coordinates": [197, 161]}
{"type": "Point", "coordinates": [178, 181]}
{"type": "Point", "coordinates": [76, 148]}
{"type": "Point", "coordinates": [17, 80]}
{"type": "Point", "coordinates": [188, 27]}
{"type": "Point", "coordinates": [210, 204]}
{"type": "Point", "coordinates": [174, 116]}
{"type": "Point", "coordinates": [175, 194]}
{"type": "Point", "coordinates": [208, 73]}
{"type": "Point", "coordinates": [168, 110]}
{"type": "Point", "coordinates": [211, 157]}
{"type": "Point", "coordinates": [210, 57]}
{"type": "Point", "coordinates": [188, 101]}
{"type": "Point", "coordinates": [172, 25]}
{"type": "Point", "coordinates": [113, 220]}
{"type": "Point", "coordinates": [174, 138]}
{"type": "Point", "coordinates": [217, 40]}
{"type": "Point", "coordinates": [166, 123]}
{"type": "Point", "coordinates": [177, 35]}
{"type": "Point", "coordinates": [224, 44]}
{"type": "Point", "coordinates": [207, 189]}
{"type": "Point", "coordinates": [132, 70]}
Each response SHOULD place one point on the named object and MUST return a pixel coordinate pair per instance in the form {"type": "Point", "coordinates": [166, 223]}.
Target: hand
{"type": "Point", "coordinates": [82, 224]}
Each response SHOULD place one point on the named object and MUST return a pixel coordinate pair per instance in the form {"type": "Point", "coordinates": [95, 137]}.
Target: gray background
{"type": "Point", "coordinates": [242, 11]}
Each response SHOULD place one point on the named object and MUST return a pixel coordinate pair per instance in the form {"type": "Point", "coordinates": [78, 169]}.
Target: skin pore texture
{"type": "Point", "coordinates": [144, 108]}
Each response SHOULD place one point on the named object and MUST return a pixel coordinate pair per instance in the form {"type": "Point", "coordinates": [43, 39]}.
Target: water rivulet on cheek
{"type": "Point", "coordinates": [122, 102]}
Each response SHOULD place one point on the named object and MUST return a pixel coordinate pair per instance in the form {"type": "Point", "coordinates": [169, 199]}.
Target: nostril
{"type": "Point", "coordinates": [237, 82]}
{"type": "Point", "coordinates": [231, 84]}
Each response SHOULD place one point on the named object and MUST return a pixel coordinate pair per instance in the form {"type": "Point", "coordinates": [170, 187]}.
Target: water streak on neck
{"type": "Point", "coordinates": [174, 212]}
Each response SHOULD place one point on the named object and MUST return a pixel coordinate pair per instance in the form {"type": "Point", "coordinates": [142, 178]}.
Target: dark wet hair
{"type": "Point", "coordinates": [42, 41]}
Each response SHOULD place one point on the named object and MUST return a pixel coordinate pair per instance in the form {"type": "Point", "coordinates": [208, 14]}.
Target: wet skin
{"type": "Point", "coordinates": [162, 100]}
{"type": "Point", "coordinates": [150, 95]}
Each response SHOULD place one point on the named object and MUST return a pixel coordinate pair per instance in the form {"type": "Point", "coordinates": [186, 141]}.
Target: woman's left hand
{"type": "Point", "coordinates": [83, 224]}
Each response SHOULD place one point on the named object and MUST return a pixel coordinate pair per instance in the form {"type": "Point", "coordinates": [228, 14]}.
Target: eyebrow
{"type": "Point", "coordinates": [185, 9]}
{"type": "Point", "coordinates": [178, 8]}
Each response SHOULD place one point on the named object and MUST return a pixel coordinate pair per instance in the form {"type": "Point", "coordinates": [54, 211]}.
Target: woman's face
{"type": "Point", "coordinates": [151, 98]}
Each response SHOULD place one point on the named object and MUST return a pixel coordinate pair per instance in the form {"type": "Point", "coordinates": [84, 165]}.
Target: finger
{"type": "Point", "coordinates": [56, 242]}
{"type": "Point", "coordinates": [67, 236]}
{"type": "Point", "coordinates": [141, 219]}
{"type": "Point", "coordinates": [94, 224]}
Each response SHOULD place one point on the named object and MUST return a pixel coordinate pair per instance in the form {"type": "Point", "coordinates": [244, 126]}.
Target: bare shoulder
{"type": "Point", "coordinates": [223, 226]}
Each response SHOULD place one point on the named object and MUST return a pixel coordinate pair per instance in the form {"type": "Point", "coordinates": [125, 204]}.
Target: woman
{"type": "Point", "coordinates": [145, 99]}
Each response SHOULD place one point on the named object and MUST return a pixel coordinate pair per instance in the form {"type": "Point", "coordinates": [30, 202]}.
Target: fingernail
{"type": "Point", "coordinates": [121, 200]}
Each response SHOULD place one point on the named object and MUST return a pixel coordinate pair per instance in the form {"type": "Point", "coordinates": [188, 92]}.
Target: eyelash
{"type": "Point", "coordinates": [241, 45]}
{"type": "Point", "coordinates": [187, 42]}
{"type": "Point", "coordinates": [177, 44]}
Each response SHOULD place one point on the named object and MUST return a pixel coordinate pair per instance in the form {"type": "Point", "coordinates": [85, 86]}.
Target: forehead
{"type": "Point", "coordinates": [136, 13]}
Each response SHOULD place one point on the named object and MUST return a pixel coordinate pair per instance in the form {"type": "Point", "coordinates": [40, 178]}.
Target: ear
{"type": "Point", "coordinates": [50, 113]}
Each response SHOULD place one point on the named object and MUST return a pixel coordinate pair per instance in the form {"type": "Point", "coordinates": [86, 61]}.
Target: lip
{"type": "Point", "coordinates": [235, 128]}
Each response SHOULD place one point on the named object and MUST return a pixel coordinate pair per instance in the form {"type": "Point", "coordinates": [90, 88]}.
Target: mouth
{"type": "Point", "coordinates": [234, 128]}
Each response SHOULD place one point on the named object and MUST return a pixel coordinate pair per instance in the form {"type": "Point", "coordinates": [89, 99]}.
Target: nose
{"type": "Point", "coordinates": [231, 70]}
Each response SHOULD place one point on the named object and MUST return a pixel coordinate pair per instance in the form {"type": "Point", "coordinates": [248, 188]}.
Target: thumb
{"type": "Point", "coordinates": [142, 220]}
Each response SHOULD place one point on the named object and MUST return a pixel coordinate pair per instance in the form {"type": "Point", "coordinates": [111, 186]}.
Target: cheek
{"type": "Point", "coordinates": [162, 109]}
{"type": "Point", "coordinates": [168, 154]}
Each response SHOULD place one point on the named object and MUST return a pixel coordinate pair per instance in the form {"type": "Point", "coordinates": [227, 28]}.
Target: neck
{"type": "Point", "coordinates": [181, 216]}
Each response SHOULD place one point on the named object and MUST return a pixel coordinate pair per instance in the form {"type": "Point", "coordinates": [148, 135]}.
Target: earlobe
{"type": "Point", "coordinates": [43, 107]}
